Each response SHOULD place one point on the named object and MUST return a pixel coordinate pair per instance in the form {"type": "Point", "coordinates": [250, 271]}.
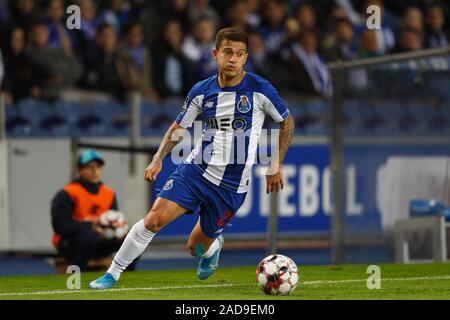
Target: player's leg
{"type": "Point", "coordinates": [218, 207]}
{"type": "Point", "coordinates": [199, 243]}
{"type": "Point", "coordinates": [161, 214]}
{"type": "Point", "coordinates": [207, 246]}
{"type": "Point", "coordinates": [141, 234]}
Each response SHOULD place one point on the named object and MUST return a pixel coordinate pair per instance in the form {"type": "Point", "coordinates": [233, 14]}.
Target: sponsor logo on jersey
{"type": "Point", "coordinates": [244, 104]}
{"type": "Point", "coordinates": [238, 124]}
{"type": "Point", "coordinates": [209, 104]}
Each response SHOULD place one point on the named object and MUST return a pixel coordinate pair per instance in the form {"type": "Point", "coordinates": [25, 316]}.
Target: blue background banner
{"type": "Point", "coordinates": [305, 203]}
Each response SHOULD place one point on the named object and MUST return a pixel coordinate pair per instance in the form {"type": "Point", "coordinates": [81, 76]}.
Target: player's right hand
{"type": "Point", "coordinates": [152, 170]}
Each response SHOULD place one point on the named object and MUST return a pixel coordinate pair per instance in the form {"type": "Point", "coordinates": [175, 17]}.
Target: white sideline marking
{"type": "Point", "coordinates": [117, 289]}
{"type": "Point", "coordinates": [211, 286]}
{"type": "Point", "coordinates": [382, 279]}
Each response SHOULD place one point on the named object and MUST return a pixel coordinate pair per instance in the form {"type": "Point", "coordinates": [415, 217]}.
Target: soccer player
{"type": "Point", "coordinates": [215, 177]}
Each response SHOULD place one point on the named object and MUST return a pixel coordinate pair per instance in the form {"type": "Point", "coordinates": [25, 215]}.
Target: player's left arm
{"type": "Point", "coordinates": [274, 179]}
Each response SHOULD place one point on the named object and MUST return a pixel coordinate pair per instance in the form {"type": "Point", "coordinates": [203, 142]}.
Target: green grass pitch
{"type": "Point", "coordinates": [416, 281]}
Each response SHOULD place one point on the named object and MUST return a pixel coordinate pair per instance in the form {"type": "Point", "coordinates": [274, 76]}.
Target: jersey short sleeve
{"type": "Point", "coordinates": [191, 109]}
{"type": "Point", "coordinates": [273, 104]}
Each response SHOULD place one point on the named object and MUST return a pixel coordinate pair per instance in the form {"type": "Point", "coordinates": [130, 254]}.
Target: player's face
{"type": "Point", "coordinates": [92, 172]}
{"type": "Point", "coordinates": [231, 57]}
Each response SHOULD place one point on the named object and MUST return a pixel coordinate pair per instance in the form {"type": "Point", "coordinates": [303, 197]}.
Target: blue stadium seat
{"type": "Point", "coordinates": [151, 118]}
{"type": "Point", "coordinates": [317, 129]}
{"type": "Point", "coordinates": [318, 108]}
{"type": "Point", "coordinates": [34, 111]}
{"type": "Point", "coordinates": [172, 107]}
{"type": "Point", "coordinates": [18, 126]}
{"type": "Point", "coordinates": [102, 118]}
{"type": "Point", "coordinates": [11, 112]}
{"type": "Point", "coordinates": [41, 117]}
{"type": "Point", "coordinates": [389, 112]}
{"type": "Point", "coordinates": [70, 111]}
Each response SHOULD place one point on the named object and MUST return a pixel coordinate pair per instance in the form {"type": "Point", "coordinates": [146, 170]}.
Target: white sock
{"type": "Point", "coordinates": [132, 247]}
{"type": "Point", "coordinates": [212, 248]}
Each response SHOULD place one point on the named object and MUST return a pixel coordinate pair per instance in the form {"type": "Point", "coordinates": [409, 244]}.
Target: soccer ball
{"type": "Point", "coordinates": [277, 275]}
{"type": "Point", "coordinates": [114, 224]}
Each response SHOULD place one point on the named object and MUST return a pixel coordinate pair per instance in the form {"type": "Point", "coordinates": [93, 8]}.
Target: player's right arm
{"type": "Point", "coordinates": [191, 109]}
{"type": "Point", "coordinates": [172, 137]}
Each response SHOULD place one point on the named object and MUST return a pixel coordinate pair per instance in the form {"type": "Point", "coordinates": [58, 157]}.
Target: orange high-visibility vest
{"type": "Point", "coordinates": [88, 206]}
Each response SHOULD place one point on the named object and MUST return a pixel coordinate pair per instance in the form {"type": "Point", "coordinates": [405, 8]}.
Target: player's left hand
{"type": "Point", "coordinates": [275, 181]}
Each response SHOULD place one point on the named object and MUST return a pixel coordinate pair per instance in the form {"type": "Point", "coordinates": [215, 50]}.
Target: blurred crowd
{"type": "Point", "coordinates": [160, 48]}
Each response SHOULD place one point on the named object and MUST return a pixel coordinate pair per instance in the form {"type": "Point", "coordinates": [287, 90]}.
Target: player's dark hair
{"type": "Point", "coordinates": [231, 34]}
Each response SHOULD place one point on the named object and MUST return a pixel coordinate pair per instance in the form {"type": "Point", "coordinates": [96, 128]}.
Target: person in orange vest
{"type": "Point", "coordinates": [75, 213]}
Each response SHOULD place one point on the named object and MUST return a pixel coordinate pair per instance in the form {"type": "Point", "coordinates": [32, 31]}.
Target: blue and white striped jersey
{"type": "Point", "coordinates": [232, 121]}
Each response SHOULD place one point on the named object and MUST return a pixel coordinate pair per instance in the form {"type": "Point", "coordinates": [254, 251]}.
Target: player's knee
{"type": "Point", "coordinates": [191, 248]}
{"type": "Point", "coordinates": [191, 251]}
{"type": "Point", "coordinates": [195, 249]}
{"type": "Point", "coordinates": [153, 221]}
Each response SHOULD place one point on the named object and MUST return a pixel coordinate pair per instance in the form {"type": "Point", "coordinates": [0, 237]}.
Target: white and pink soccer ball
{"type": "Point", "coordinates": [114, 224]}
{"type": "Point", "coordinates": [277, 275]}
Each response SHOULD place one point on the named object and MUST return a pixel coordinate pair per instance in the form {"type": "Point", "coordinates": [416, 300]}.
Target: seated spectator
{"type": "Point", "coordinates": [24, 13]}
{"type": "Point", "coordinates": [342, 44]}
{"type": "Point", "coordinates": [308, 74]}
{"type": "Point", "coordinates": [198, 47]}
{"type": "Point", "coordinates": [345, 9]}
{"type": "Point", "coordinates": [368, 45]}
{"type": "Point", "coordinates": [306, 17]}
{"type": "Point", "coordinates": [412, 19]}
{"type": "Point", "coordinates": [116, 14]}
{"type": "Point", "coordinates": [85, 37]}
{"type": "Point", "coordinates": [151, 16]}
{"type": "Point", "coordinates": [58, 32]}
{"type": "Point", "coordinates": [202, 8]}
{"type": "Point", "coordinates": [385, 35]}
{"type": "Point", "coordinates": [409, 40]}
{"type": "Point", "coordinates": [435, 35]}
{"type": "Point", "coordinates": [177, 10]}
{"type": "Point", "coordinates": [109, 69]}
{"type": "Point", "coordinates": [257, 61]}
{"type": "Point", "coordinates": [19, 81]}
{"type": "Point", "coordinates": [54, 69]}
{"type": "Point", "coordinates": [237, 14]}
{"type": "Point", "coordinates": [75, 213]}
{"type": "Point", "coordinates": [253, 16]}
{"type": "Point", "coordinates": [272, 28]}
{"type": "Point", "coordinates": [89, 21]}
{"type": "Point", "coordinates": [172, 71]}
{"type": "Point", "coordinates": [337, 13]}
{"type": "Point", "coordinates": [261, 63]}
{"type": "Point", "coordinates": [358, 79]}
{"type": "Point", "coordinates": [141, 77]}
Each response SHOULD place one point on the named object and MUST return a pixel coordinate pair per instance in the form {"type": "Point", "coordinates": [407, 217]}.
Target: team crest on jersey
{"type": "Point", "coordinates": [168, 185]}
{"type": "Point", "coordinates": [244, 104]}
